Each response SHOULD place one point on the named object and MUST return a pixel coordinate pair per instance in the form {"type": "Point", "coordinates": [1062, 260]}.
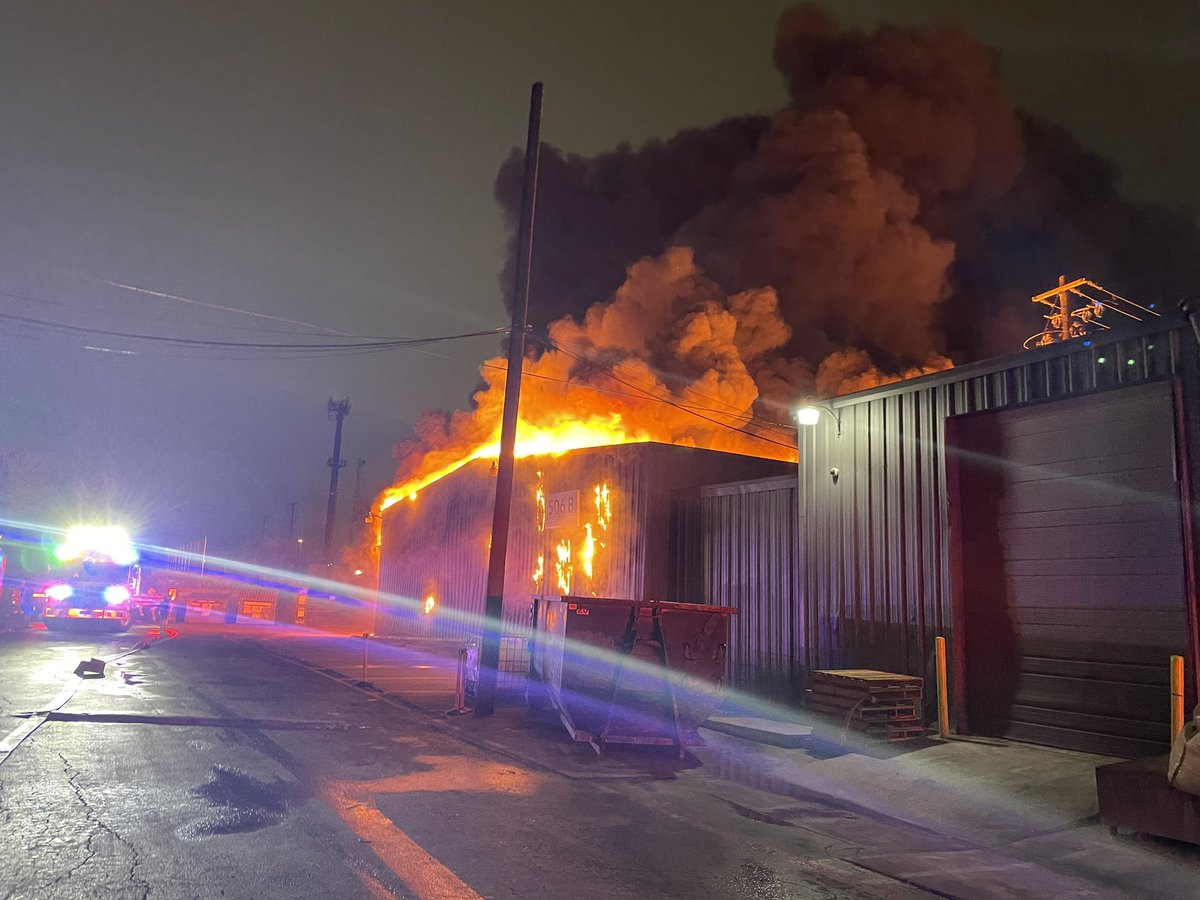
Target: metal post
{"type": "Point", "coordinates": [942, 699]}
{"type": "Point", "coordinates": [366, 644]}
{"type": "Point", "coordinates": [1176, 695]}
{"type": "Point", "coordinates": [489, 659]}
{"type": "Point", "coordinates": [339, 409]}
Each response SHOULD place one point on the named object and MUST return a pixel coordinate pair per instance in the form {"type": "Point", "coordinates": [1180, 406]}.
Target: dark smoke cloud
{"type": "Point", "coordinates": [597, 216]}
{"type": "Point", "coordinates": [901, 208]}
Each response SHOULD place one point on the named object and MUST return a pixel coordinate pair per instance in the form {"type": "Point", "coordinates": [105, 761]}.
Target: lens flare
{"type": "Point", "coordinates": [116, 593]}
{"type": "Point", "coordinates": [59, 592]}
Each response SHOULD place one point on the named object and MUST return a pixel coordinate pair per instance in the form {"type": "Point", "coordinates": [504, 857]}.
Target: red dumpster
{"type": "Point", "coordinates": [631, 672]}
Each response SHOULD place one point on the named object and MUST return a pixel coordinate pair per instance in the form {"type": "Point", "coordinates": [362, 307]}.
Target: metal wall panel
{"type": "Point", "coordinates": [748, 561]}
{"type": "Point", "coordinates": [874, 557]}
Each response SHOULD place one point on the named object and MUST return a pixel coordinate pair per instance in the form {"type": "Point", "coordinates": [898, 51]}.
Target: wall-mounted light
{"type": "Point", "coordinates": [810, 414]}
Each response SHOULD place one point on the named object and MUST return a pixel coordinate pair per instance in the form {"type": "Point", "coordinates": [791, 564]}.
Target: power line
{"type": "Point", "coordinates": [374, 344]}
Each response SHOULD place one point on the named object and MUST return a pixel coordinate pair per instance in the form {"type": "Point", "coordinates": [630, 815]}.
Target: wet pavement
{"type": "Point", "coordinates": [961, 817]}
{"type": "Point", "coordinates": [211, 764]}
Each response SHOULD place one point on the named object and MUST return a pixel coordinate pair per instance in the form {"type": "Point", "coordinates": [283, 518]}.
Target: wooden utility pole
{"type": "Point", "coordinates": [489, 657]}
{"type": "Point", "coordinates": [1064, 309]}
{"type": "Point", "coordinates": [338, 409]}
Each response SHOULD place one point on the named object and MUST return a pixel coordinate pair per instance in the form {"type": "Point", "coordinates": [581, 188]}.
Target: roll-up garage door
{"type": "Point", "coordinates": [1072, 569]}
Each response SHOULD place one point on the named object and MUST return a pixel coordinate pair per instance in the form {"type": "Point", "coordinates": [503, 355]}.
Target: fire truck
{"type": "Point", "coordinates": [96, 581]}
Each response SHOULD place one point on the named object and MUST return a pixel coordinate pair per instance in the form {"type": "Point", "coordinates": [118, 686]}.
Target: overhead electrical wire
{"type": "Point", "coordinates": [359, 344]}
{"type": "Point", "coordinates": [372, 344]}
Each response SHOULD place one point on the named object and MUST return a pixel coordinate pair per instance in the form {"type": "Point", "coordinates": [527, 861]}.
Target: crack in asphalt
{"type": "Point", "coordinates": [99, 826]}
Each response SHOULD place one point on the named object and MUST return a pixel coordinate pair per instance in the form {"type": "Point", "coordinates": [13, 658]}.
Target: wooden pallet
{"type": "Point", "coordinates": [850, 701]}
{"type": "Point", "coordinates": [866, 679]}
{"type": "Point", "coordinates": [865, 713]}
{"type": "Point", "coordinates": [854, 693]}
{"type": "Point", "coordinates": [882, 704]}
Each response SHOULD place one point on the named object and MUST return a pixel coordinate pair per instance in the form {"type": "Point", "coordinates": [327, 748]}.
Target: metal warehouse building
{"type": "Point", "coordinates": [617, 500]}
{"type": "Point", "coordinates": [1037, 510]}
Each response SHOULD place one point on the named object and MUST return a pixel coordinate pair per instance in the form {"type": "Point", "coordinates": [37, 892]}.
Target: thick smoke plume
{"type": "Point", "coordinates": [901, 205]}
{"type": "Point", "coordinates": [895, 216]}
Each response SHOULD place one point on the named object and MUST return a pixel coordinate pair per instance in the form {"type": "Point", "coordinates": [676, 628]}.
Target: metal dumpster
{"type": "Point", "coordinates": [630, 672]}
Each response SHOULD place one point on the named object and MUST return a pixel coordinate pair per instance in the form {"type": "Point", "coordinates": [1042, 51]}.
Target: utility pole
{"type": "Point", "coordinates": [292, 520]}
{"type": "Point", "coordinates": [338, 409]}
{"type": "Point", "coordinates": [1064, 310]}
{"type": "Point", "coordinates": [1064, 323]}
{"type": "Point", "coordinates": [489, 659]}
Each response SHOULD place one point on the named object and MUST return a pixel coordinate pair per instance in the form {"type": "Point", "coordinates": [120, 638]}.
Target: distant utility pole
{"type": "Point", "coordinates": [489, 658]}
{"type": "Point", "coordinates": [338, 409]}
{"type": "Point", "coordinates": [1066, 321]}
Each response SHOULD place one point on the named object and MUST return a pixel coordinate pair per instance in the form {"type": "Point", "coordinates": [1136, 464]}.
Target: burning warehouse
{"type": "Point", "coordinates": [589, 522]}
{"type": "Point", "coordinates": [890, 219]}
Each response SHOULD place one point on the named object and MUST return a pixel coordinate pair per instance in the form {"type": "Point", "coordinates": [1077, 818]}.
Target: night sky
{"type": "Point", "coordinates": [330, 168]}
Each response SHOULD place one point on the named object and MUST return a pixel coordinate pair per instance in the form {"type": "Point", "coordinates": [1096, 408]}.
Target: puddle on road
{"type": "Point", "coordinates": [240, 803]}
{"type": "Point", "coordinates": [237, 821]}
{"type": "Point", "coordinates": [760, 882]}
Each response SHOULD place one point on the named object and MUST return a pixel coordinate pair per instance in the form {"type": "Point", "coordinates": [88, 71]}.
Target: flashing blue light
{"type": "Point", "coordinates": [1153, 305]}
{"type": "Point", "coordinates": [1087, 343]}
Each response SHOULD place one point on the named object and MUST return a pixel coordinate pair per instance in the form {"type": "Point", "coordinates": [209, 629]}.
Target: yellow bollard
{"type": "Point", "coordinates": [943, 702]}
{"type": "Point", "coordinates": [1176, 695]}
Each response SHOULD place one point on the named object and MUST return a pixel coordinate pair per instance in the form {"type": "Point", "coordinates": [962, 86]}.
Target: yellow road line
{"type": "Point", "coordinates": [420, 872]}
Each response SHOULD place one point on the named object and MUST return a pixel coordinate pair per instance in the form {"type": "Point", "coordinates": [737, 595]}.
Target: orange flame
{"type": "Point", "coordinates": [603, 507]}
{"type": "Point", "coordinates": [532, 440]}
{"type": "Point", "coordinates": [587, 551]}
{"type": "Point", "coordinates": [609, 382]}
{"type": "Point", "coordinates": [562, 565]}
{"type": "Point", "coordinates": [540, 572]}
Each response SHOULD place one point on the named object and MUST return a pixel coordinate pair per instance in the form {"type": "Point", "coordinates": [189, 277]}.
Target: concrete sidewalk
{"type": "Point", "coordinates": [1005, 805]}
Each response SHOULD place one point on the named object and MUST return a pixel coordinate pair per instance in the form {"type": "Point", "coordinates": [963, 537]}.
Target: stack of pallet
{"type": "Point", "coordinates": [882, 704]}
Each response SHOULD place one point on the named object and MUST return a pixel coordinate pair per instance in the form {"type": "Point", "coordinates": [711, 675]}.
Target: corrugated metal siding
{"type": "Point", "coordinates": [437, 543]}
{"type": "Point", "coordinates": [875, 582]}
{"type": "Point", "coordinates": [748, 561]}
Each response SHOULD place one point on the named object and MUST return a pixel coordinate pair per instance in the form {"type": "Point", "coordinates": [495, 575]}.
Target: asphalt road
{"type": "Point", "coordinates": [205, 766]}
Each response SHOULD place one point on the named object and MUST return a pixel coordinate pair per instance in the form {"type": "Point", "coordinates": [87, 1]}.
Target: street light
{"type": "Point", "coordinates": [810, 414]}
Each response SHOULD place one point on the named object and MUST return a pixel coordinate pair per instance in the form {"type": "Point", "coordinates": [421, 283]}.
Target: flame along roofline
{"type": "Point", "coordinates": [411, 488]}
{"type": "Point", "coordinates": [396, 494]}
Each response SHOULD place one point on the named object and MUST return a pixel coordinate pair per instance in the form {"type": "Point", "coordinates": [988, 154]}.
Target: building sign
{"type": "Point", "coordinates": [562, 509]}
